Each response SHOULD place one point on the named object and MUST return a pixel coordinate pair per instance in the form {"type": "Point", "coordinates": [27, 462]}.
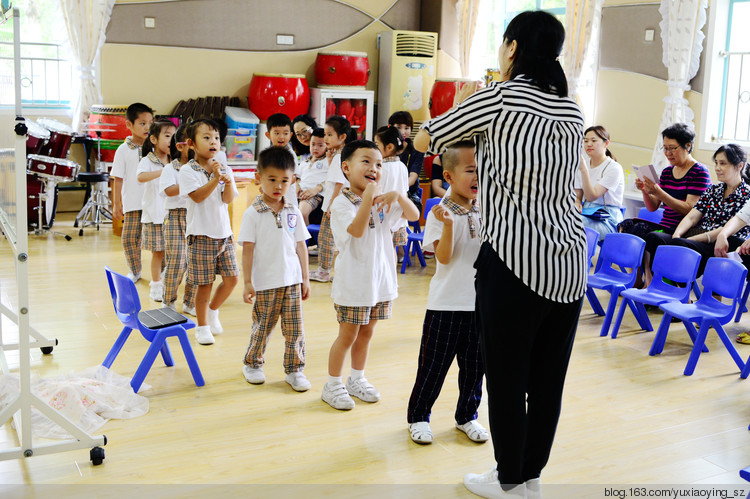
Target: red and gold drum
{"type": "Point", "coordinates": [278, 93]}
{"type": "Point", "coordinates": [342, 69]}
{"type": "Point", "coordinates": [59, 169]}
{"type": "Point", "coordinates": [36, 137]}
{"type": "Point", "coordinates": [61, 136]}
{"type": "Point", "coordinates": [108, 122]}
{"type": "Point", "coordinates": [443, 95]}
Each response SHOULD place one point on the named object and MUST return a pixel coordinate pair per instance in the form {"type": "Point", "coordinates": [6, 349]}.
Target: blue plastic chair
{"type": "Point", "coordinates": [415, 227]}
{"type": "Point", "coordinates": [723, 277]}
{"type": "Point", "coordinates": [625, 251]}
{"type": "Point", "coordinates": [128, 309]}
{"type": "Point", "coordinates": [675, 263]}
{"type": "Point", "coordinates": [415, 239]}
{"type": "Point", "coordinates": [592, 242]}
{"type": "Point", "coordinates": [651, 216]}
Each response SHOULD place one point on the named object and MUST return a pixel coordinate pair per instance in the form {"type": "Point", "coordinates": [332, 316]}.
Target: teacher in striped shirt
{"type": "Point", "coordinates": [531, 269]}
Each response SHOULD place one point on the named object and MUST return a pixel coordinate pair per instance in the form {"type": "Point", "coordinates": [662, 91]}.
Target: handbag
{"type": "Point", "coordinates": [595, 212]}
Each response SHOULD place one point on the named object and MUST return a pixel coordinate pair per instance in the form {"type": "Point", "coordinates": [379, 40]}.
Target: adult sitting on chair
{"type": "Point", "coordinates": [702, 226]}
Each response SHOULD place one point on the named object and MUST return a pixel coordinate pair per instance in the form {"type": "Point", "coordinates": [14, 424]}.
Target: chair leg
{"type": "Point", "coordinates": [743, 303]}
{"type": "Point", "coordinates": [166, 354]}
{"type": "Point", "coordinates": [610, 311]}
{"type": "Point", "coordinates": [594, 301]}
{"type": "Point", "coordinates": [661, 335]}
{"type": "Point", "coordinates": [148, 361]}
{"type": "Point", "coordinates": [745, 372]}
{"type": "Point", "coordinates": [407, 260]}
{"type": "Point", "coordinates": [190, 358]}
{"type": "Point", "coordinates": [694, 334]}
{"type": "Point", "coordinates": [700, 341]}
{"type": "Point", "coordinates": [420, 255]}
{"type": "Point", "coordinates": [696, 290]}
{"type": "Point", "coordinates": [730, 346]}
{"type": "Point", "coordinates": [618, 321]}
{"type": "Point", "coordinates": [115, 350]}
{"type": "Point", "coordinates": [641, 315]}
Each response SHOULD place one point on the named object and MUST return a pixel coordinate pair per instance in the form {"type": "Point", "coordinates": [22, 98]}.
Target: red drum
{"type": "Point", "coordinates": [105, 149]}
{"type": "Point", "coordinates": [34, 188]}
{"type": "Point", "coordinates": [37, 136]}
{"type": "Point", "coordinates": [342, 69]}
{"type": "Point", "coordinates": [109, 121]}
{"type": "Point", "coordinates": [278, 93]}
{"type": "Point", "coordinates": [61, 136]}
{"type": "Point", "coordinates": [443, 95]}
{"type": "Point", "coordinates": [61, 170]}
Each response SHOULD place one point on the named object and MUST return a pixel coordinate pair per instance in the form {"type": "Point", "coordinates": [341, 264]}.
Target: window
{"type": "Point", "coordinates": [46, 71]}
{"type": "Point", "coordinates": [726, 92]}
{"type": "Point", "coordinates": [493, 18]}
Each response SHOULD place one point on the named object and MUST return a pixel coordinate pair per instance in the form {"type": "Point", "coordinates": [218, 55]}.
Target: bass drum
{"type": "Point", "coordinates": [34, 188]}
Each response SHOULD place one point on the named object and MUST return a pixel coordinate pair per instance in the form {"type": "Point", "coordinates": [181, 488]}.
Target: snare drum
{"type": "Point", "coordinates": [34, 203]}
{"type": "Point", "coordinates": [37, 136]}
{"type": "Point", "coordinates": [342, 69]}
{"type": "Point", "coordinates": [61, 136]}
{"type": "Point", "coordinates": [58, 169]}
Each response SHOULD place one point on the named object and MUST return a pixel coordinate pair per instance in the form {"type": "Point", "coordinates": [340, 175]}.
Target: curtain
{"type": "Point", "coordinates": [467, 11]}
{"type": "Point", "coordinates": [86, 22]}
{"type": "Point", "coordinates": [682, 41]}
{"type": "Point", "coordinates": [583, 20]}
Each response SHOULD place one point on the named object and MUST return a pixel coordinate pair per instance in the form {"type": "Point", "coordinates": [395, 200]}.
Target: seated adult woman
{"type": "Point", "coordinates": [701, 229]}
{"type": "Point", "coordinates": [602, 185]}
{"type": "Point", "coordinates": [302, 128]}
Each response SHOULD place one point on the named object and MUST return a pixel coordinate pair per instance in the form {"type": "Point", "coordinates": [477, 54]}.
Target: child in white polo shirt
{"type": "Point", "coordinates": [361, 221]}
{"type": "Point", "coordinates": [312, 177]}
{"type": "Point", "coordinates": [274, 268]}
{"type": "Point", "coordinates": [209, 188]}
{"type": "Point", "coordinates": [449, 330]}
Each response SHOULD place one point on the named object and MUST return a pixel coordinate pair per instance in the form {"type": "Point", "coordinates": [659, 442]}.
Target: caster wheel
{"type": "Point", "coordinates": [80, 232]}
{"type": "Point", "coordinates": [75, 224]}
{"type": "Point", "coordinates": [46, 350]}
{"type": "Point", "coordinates": [67, 237]}
{"type": "Point", "coordinates": [97, 456]}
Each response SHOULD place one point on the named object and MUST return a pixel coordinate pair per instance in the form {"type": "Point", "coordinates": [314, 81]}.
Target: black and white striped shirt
{"type": "Point", "coordinates": [529, 146]}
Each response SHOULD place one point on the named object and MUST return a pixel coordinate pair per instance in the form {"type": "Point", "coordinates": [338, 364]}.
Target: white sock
{"type": "Point", "coordinates": [356, 374]}
{"type": "Point", "coordinates": [213, 312]}
{"type": "Point", "coordinates": [155, 283]}
{"type": "Point", "coordinates": [334, 380]}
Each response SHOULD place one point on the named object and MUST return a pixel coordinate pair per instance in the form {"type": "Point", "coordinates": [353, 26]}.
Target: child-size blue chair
{"type": "Point", "coordinates": [592, 240]}
{"type": "Point", "coordinates": [723, 277]}
{"type": "Point", "coordinates": [625, 251]}
{"type": "Point", "coordinates": [155, 326]}
{"type": "Point", "coordinates": [415, 239]}
{"type": "Point", "coordinates": [651, 216]}
{"type": "Point", "coordinates": [674, 263]}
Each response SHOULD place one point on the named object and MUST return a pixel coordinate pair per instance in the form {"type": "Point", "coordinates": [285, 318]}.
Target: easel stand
{"type": "Point", "coordinates": [20, 408]}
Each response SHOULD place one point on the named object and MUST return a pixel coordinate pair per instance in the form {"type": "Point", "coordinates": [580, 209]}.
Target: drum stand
{"type": "Point", "coordinates": [96, 210]}
{"type": "Point", "coordinates": [44, 196]}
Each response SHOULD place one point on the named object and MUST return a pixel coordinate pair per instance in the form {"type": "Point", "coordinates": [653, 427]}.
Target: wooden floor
{"type": "Point", "coordinates": [627, 418]}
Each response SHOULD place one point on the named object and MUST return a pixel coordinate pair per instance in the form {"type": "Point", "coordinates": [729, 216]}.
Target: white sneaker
{"type": "Point", "coordinates": [298, 381]}
{"type": "Point", "coordinates": [254, 375]}
{"type": "Point", "coordinates": [488, 485]}
{"type": "Point", "coordinates": [320, 275]}
{"type": "Point", "coordinates": [157, 291]}
{"type": "Point", "coordinates": [534, 488]}
{"type": "Point", "coordinates": [188, 310]}
{"type": "Point", "coordinates": [203, 335]}
{"type": "Point", "coordinates": [170, 306]}
{"type": "Point", "coordinates": [213, 321]}
{"type": "Point", "coordinates": [420, 432]}
{"type": "Point", "coordinates": [134, 277]}
{"type": "Point", "coordinates": [337, 397]}
{"type": "Point", "coordinates": [362, 389]}
{"type": "Point", "coordinates": [475, 431]}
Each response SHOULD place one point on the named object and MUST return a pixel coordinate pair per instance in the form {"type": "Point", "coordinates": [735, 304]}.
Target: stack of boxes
{"type": "Point", "coordinates": [242, 134]}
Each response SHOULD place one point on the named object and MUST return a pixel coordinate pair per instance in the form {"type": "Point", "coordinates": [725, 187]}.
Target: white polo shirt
{"type": "Point", "coordinates": [395, 177]}
{"type": "Point", "coordinates": [313, 173]}
{"type": "Point", "coordinates": [452, 286]}
{"type": "Point", "coordinates": [610, 175]}
{"type": "Point", "coordinates": [124, 166]}
{"type": "Point", "coordinates": [209, 217]}
{"type": "Point", "coordinates": [334, 176]}
{"type": "Point", "coordinates": [275, 260]}
{"type": "Point", "coordinates": [153, 199]}
{"type": "Point", "coordinates": [365, 266]}
{"type": "Point", "coordinates": [171, 176]}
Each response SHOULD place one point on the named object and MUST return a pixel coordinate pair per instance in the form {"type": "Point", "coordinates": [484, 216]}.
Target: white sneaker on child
{"type": "Point", "coordinates": [298, 381]}
{"type": "Point", "coordinates": [188, 310]}
{"type": "Point", "coordinates": [203, 335]}
{"type": "Point", "coordinates": [213, 321]}
{"type": "Point", "coordinates": [362, 389]}
{"type": "Point", "coordinates": [134, 277]}
{"type": "Point", "coordinates": [337, 397]}
{"type": "Point", "coordinates": [488, 485]}
{"type": "Point", "coordinates": [475, 431]}
{"type": "Point", "coordinates": [254, 375]}
{"type": "Point", "coordinates": [320, 275]}
{"type": "Point", "coordinates": [157, 290]}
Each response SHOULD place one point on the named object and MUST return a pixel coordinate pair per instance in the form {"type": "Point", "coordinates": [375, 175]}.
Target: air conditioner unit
{"type": "Point", "coordinates": [408, 67]}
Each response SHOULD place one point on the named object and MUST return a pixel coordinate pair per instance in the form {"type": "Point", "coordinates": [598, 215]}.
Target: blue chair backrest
{"type": "Point", "coordinates": [592, 238]}
{"type": "Point", "coordinates": [124, 297]}
{"type": "Point", "coordinates": [623, 250]}
{"type": "Point", "coordinates": [429, 204]}
{"type": "Point", "coordinates": [651, 216]}
{"type": "Point", "coordinates": [676, 263]}
{"type": "Point", "coordinates": [725, 277]}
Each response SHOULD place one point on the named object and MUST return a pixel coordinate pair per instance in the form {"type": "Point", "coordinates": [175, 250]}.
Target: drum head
{"type": "Point", "coordinates": [344, 53]}
{"type": "Point", "coordinates": [279, 75]}
{"type": "Point", "coordinates": [55, 126]}
{"type": "Point", "coordinates": [37, 130]}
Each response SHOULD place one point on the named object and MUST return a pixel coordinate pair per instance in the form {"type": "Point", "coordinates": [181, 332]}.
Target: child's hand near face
{"type": "Point", "coordinates": [386, 200]}
{"type": "Point", "coordinates": [442, 214]}
{"type": "Point", "coordinates": [371, 192]}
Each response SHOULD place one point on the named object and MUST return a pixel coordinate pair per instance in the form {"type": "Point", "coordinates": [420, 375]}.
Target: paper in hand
{"type": "Point", "coordinates": [647, 171]}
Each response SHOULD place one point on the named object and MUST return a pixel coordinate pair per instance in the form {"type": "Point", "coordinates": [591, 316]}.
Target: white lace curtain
{"type": "Point", "coordinates": [86, 22]}
{"type": "Point", "coordinates": [467, 11]}
{"type": "Point", "coordinates": [682, 40]}
{"type": "Point", "coordinates": [583, 20]}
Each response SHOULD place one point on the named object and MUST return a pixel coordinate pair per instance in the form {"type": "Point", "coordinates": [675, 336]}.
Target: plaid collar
{"type": "Point", "coordinates": [176, 164]}
{"type": "Point", "coordinates": [472, 214]}
{"type": "Point", "coordinates": [154, 159]}
{"type": "Point", "coordinates": [129, 142]}
{"type": "Point", "coordinates": [197, 167]}
{"type": "Point", "coordinates": [391, 159]}
{"type": "Point", "coordinates": [261, 207]}
{"type": "Point", "coordinates": [356, 201]}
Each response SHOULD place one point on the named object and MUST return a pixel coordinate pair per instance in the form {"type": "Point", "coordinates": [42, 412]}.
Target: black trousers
{"type": "Point", "coordinates": [707, 249]}
{"type": "Point", "coordinates": [526, 343]}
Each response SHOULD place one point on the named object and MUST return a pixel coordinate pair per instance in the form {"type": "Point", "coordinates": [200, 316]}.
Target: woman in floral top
{"type": "Point", "coordinates": [701, 227]}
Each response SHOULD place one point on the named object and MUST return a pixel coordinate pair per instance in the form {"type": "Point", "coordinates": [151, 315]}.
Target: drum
{"type": "Point", "coordinates": [342, 69]}
{"type": "Point", "coordinates": [61, 136]}
{"type": "Point", "coordinates": [34, 188]}
{"type": "Point", "coordinates": [37, 136]}
{"type": "Point", "coordinates": [58, 169]}
{"type": "Point", "coordinates": [105, 149]}
{"type": "Point", "coordinates": [493, 74]}
{"type": "Point", "coordinates": [108, 122]}
{"type": "Point", "coordinates": [443, 95]}
{"type": "Point", "coordinates": [278, 93]}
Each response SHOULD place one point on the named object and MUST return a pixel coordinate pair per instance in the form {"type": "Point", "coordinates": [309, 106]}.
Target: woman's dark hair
{"type": "Point", "coordinates": [401, 118]}
{"type": "Point", "coordinates": [539, 37]}
{"type": "Point", "coordinates": [735, 155]}
{"type": "Point", "coordinates": [391, 135]}
{"type": "Point", "coordinates": [342, 126]}
{"type": "Point", "coordinates": [681, 133]}
{"type": "Point", "coordinates": [179, 136]}
{"type": "Point", "coordinates": [603, 134]}
{"type": "Point", "coordinates": [298, 146]}
{"type": "Point", "coordinates": [157, 127]}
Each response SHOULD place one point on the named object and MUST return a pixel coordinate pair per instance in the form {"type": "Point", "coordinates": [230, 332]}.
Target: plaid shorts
{"type": "Point", "coordinates": [363, 315]}
{"type": "Point", "coordinates": [131, 240]}
{"type": "Point", "coordinates": [326, 247]}
{"type": "Point", "coordinates": [400, 237]}
{"type": "Point", "coordinates": [153, 237]}
{"type": "Point", "coordinates": [314, 201]}
{"type": "Point", "coordinates": [208, 257]}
